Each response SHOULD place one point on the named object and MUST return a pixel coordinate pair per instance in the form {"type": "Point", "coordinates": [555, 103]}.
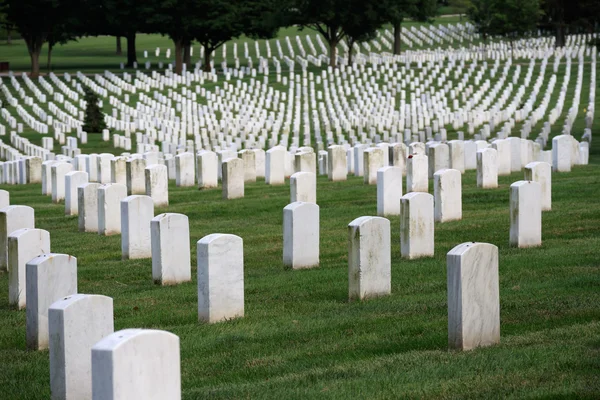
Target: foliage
{"type": "Point", "coordinates": [508, 18]}
{"type": "Point", "coordinates": [94, 117]}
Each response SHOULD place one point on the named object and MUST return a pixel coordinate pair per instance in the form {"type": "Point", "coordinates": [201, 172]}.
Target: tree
{"type": "Point", "coordinates": [396, 11]}
{"type": "Point", "coordinates": [223, 20]}
{"type": "Point", "coordinates": [577, 15]}
{"type": "Point", "coordinates": [482, 13]}
{"type": "Point", "coordinates": [6, 25]}
{"type": "Point", "coordinates": [362, 22]}
{"type": "Point", "coordinates": [35, 19]}
{"type": "Point", "coordinates": [94, 117]}
{"type": "Point", "coordinates": [325, 17]}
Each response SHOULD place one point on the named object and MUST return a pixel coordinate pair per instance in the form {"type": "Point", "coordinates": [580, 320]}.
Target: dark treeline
{"type": "Point", "coordinates": [211, 23]}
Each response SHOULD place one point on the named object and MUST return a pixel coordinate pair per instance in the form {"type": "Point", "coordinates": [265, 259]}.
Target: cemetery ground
{"type": "Point", "coordinates": [302, 337]}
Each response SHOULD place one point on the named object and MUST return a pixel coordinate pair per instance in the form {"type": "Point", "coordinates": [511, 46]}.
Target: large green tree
{"type": "Point", "coordinates": [35, 20]}
{"type": "Point", "coordinates": [562, 16]}
{"type": "Point", "coordinates": [362, 23]}
{"type": "Point", "coordinates": [396, 11]}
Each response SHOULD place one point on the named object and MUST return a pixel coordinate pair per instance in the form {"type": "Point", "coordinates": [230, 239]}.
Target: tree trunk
{"type": "Point", "coordinates": [397, 38]}
{"type": "Point", "coordinates": [131, 52]}
{"type": "Point", "coordinates": [560, 35]}
{"type": "Point", "coordinates": [49, 61]}
{"type": "Point", "coordinates": [119, 47]}
{"type": "Point", "coordinates": [178, 56]}
{"type": "Point", "coordinates": [350, 49]}
{"type": "Point", "coordinates": [332, 52]}
{"type": "Point", "coordinates": [207, 52]}
{"type": "Point", "coordinates": [187, 58]}
{"type": "Point", "coordinates": [8, 34]}
{"type": "Point", "coordinates": [34, 47]}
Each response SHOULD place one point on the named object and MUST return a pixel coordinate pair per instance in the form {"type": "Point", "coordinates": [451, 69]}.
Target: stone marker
{"type": "Point", "coordinates": [541, 173]}
{"type": "Point", "coordinates": [136, 214]}
{"type": "Point", "coordinates": [389, 190]}
{"type": "Point", "coordinates": [275, 173]}
{"type": "Point", "coordinates": [23, 245]}
{"type": "Point", "coordinates": [109, 208]}
{"type": "Point", "coordinates": [303, 187]}
{"type": "Point", "coordinates": [306, 162]}
{"type": "Point", "coordinates": [369, 258]}
{"type": "Point", "coordinates": [58, 172]}
{"type": "Point", "coordinates": [13, 218]}
{"type": "Point", "coordinates": [104, 167]}
{"type": "Point", "coordinates": [92, 167]}
{"type": "Point", "coordinates": [185, 170]}
{"type": "Point", "coordinates": [525, 214]}
{"type": "Point", "coordinates": [118, 170]}
{"type": "Point", "coordinates": [416, 225]}
{"type": "Point", "coordinates": [301, 234]}
{"type": "Point", "coordinates": [73, 180]}
{"type": "Point", "coordinates": [398, 154]}
{"type": "Point", "coordinates": [4, 198]}
{"type": "Point", "coordinates": [136, 176]}
{"type": "Point", "coordinates": [157, 184]}
{"type": "Point", "coordinates": [516, 163]}
{"type": "Point", "coordinates": [249, 159]}
{"type": "Point", "coordinates": [49, 277]}
{"type": "Point", "coordinates": [373, 161]}
{"type": "Point", "coordinates": [416, 173]}
{"type": "Point", "coordinates": [33, 170]}
{"type": "Point", "coordinates": [337, 168]}
{"type": "Point", "coordinates": [170, 237]}
{"type": "Point", "coordinates": [456, 154]}
{"type": "Point", "coordinates": [561, 153]}
{"type": "Point", "coordinates": [137, 364]}
{"type": "Point", "coordinates": [233, 178]}
{"type": "Point", "coordinates": [87, 209]}
{"type": "Point", "coordinates": [473, 296]}
{"type": "Point", "coordinates": [447, 191]}
{"type": "Point", "coordinates": [220, 277]}
{"type": "Point", "coordinates": [47, 177]}
{"type": "Point", "coordinates": [259, 162]}
{"type": "Point", "coordinates": [503, 156]}
{"type": "Point", "coordinates": [75, 324]}
{"type": "Point", "coordinates": [487, 168]}
{"type": "Point", "coordinates": [208, 176]}
{"type": "Point", "coordinates": [438, 158]}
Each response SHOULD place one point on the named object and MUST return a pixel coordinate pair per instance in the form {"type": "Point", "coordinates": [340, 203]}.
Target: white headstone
{"type": "Point", "coordinates": [525, 214]}
{"type": "Point", "coordinates": [369, 258]}
{"type": "Point", "coordinates": [274, 173]}
{"type": "Point", "coordinates": [301, 234]}
{"type": "Point", "coordinates": [136, 213]}
{"type": "Point", "coordinates": [561, 153]}
{"type": "Point", "coordinates": [541, 173]}
{"type": "Point", "coordinates": [389, 191]}
{"type": "Point", "coordinates": [473, 296]}
{"type": "Point", "coordinates": [447, 195]}
{"type": "Point", "coordinates": [220, 277]}
{"type": "Point", "coordinates": [487, 168]}
{"type": "Point", "coordinates": [416, 173]}
{"type": "Point", "coordinates": [233, 178]}
{"type": "Point", "coordinates": [135, 174]}
{"type": "Point", "coordinates": [49, 277]}
{"type": "Point", "coordinates": [337, 168]}
{"type": "Point", "coordinates": [73, 180]}
{"type": "Point", "coordinates": [87, 208]}
{"type": "Point", "coordinates": [157, 184]}
{"type": "Point", "coordinates": [170, 236]}
{"type": "Point", "coordinates": [23, 245]}
{"type": "Point", "coordinates": [75, 324]}
{"type": "Point", "coordinates": [13, 218]}
{"type": "Point", "coordinates": [207, 170]}
{"type": "Point", "coordinates": [136, 364]}
{"type": "Point", "coordinates": [185, 170]}
{"type": "Point", "coordinates": [109, 208]}
{"type": "Point", "coordinates": [303, 187]}
{"type": "Point", "coordinates": [58, 172]}
{"type": "Point", "coordinates": [416, 225]}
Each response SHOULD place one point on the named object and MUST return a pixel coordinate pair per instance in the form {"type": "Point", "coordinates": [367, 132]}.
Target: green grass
{"type": "Point", "coordinates": [302, 338]}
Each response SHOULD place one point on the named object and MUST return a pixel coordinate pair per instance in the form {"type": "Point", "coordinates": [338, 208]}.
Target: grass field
{"type": "Point", "coordinates": [301, 337]}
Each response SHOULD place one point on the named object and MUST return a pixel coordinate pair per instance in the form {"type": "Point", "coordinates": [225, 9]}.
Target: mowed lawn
{"type": "Point", "coordinates": [301, 337]}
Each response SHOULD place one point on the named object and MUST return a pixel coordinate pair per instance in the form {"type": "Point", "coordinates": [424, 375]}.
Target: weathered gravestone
{"type": "Point", "coordinates": [49, 277]}
{"type": "Point", "coordinates": [136, 213]}
{"type": "Point", "coordinates": [136, 364]}
{"type": "Point", "coordinates": [220, 277]}
{"type": "Point", "coordinates": [75, 324]}
{"type": "Point", "coordinates": [301, 235]}
{"type": "Point", "coordinates": [473, 296]}
{"type": "Point", "coordinates": [369, 258]}
{"type": "Point", "coordinates": [170, 237]}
